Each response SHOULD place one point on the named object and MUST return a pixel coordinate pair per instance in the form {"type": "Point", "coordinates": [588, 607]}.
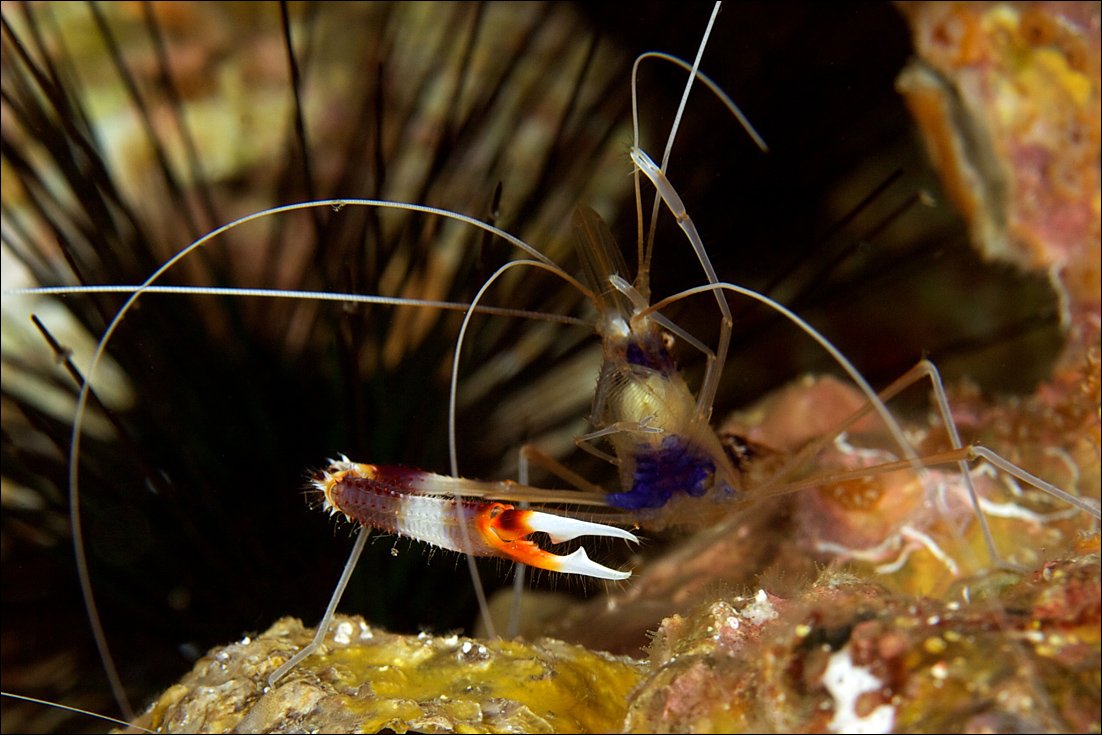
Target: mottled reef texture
{"type": "Point", "coordinates": [1007, 97]}
{"type": "Point", "coordinates": [845, 655]}
{"type": "Point", "coordinates": [848, 657]}
{"type": "Point", "coordinates": [367, 680]}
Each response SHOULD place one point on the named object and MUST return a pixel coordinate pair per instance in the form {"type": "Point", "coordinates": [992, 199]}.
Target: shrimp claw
{"type": "Point", "coordinates": [559, 529]}
{"type": "Point", "coordinates": [420, 505]}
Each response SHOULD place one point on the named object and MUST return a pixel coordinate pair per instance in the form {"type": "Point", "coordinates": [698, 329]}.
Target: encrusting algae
{"type": "Point", "coordinates": [844, 655]}
{"type": "Point", "coordinates": [847, 657]}
{"type": "Point", "coordinates": [367, 680]}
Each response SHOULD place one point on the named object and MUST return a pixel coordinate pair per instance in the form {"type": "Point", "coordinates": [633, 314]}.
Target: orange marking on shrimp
{"type": "Point", "coordinates": [420, 505]}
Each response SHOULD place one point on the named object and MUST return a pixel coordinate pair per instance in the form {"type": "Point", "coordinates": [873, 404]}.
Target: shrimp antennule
{"type": "Point", "coordinates": [411, 502]}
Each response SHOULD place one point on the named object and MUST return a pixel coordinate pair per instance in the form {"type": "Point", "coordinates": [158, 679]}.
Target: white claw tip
{"type": "Point", "coordinates": [578, 562]}
{"type": "Point", "coordinates": [561, 528]}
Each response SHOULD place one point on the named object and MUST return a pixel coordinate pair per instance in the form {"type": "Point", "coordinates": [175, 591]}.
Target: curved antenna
{"type": "Point", "coordinates": [877, 404]}
{"type": "Point", "coordinates": [275, 293]}
{"type": "Point", "coordinates": [82, 398]}
{"type": "Point", "coordinates": [657, 175]}
{"type": "Point", "coordinates": [453, 452]}
{"type": "Point", "coordinates": [717, 90]}
{"type": "Point", "coordinates": [646, 249]}
{"type": "Point", "coordinates": [893, 426]}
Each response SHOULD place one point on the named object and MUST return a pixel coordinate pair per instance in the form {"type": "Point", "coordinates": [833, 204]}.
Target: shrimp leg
{"type": "Point", "coordinates": [431, 508]}
{"type": "Point", "coordinates": [961, 453]}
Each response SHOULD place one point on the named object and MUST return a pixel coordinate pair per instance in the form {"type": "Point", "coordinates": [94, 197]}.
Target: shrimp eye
{"type": "Point", "coordinates": [667, 341]}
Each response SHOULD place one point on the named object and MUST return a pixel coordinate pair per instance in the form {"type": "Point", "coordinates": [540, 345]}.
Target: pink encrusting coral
{"type": "Point", "coordinates": [846, 657]}
{"type": "Point", "coordinates": [1008, 99]}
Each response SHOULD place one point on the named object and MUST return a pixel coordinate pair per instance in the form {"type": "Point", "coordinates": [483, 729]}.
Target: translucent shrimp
{"type": "Point", "coordinates": [663, 444]}
{"type": "Point", "coordinates": [620, 413]}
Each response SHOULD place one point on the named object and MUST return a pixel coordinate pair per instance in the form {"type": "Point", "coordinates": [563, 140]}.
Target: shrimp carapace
{"type": "Point", "coordinates": [642, 405]}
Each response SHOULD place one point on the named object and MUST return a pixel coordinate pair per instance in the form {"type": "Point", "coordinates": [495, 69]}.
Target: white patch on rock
{"type": "Point", "coordinates": [846, 683]}
{"type": "Point", "coordinates": [759, 611]}
{"type": "Point", "coordinates": [343, 635]}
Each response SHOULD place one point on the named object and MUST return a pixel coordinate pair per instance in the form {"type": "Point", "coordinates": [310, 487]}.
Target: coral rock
{"type": "Point", "coordinates": [366, 680]}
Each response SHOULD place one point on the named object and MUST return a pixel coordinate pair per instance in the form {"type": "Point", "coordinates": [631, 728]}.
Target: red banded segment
{"type": "Point", "coordinates": [423, 506]}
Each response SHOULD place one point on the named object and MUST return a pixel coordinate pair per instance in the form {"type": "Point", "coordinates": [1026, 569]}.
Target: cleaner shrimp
{"type": "Point", "coordinates": [238, 467]}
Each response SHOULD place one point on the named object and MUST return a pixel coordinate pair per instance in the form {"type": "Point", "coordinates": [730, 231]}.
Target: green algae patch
{"type": "Point", "coordinates": [366, 680]}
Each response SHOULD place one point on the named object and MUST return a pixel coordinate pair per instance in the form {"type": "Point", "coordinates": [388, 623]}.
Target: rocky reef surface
{"type": "Point", "coordinates": [843, 656]}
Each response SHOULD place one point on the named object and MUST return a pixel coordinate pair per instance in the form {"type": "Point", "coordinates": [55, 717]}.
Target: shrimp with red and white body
{"type": "Point", "coordinates": [673, 467]}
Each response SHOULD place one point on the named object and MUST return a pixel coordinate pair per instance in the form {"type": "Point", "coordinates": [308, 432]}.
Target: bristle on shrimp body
{"type": "Point", "coordinates": [424, 506]}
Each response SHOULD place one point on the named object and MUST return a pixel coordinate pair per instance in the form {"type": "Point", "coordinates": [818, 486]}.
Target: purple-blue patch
{"type": "Point", "coordinates": [636, 356]}
{"type": "Point", "coordinates": [673, 467]}
{"type": "Point", "coordinates": [650, 353]}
